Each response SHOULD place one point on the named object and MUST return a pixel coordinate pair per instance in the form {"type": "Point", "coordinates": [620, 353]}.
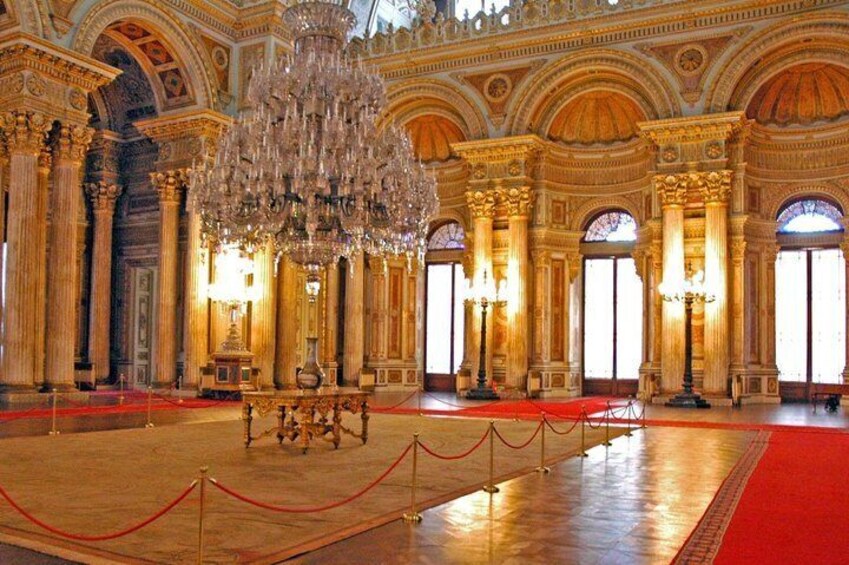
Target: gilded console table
{"type": "Point", "coordinates": [305, 414]}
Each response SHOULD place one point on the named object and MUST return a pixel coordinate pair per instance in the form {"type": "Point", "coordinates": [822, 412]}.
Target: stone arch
{"type": "Point", "coordinates": [817, 37]}
{"type": "Point", "coordinates": [594, 207]}
{"type": "Point", "coordinates": [447, 216]}
{"type": "Point", "coordinates": [568, 77]}
{"type": "Point", "coordinates": [410, 99]}
{"type": "Point", "coordinates": [190, 53]}
{"type": "Point", "coordinates": [788, 194]}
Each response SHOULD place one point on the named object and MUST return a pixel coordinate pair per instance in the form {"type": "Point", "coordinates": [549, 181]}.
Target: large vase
{"type": "Point", "coordinates": [311, 376]}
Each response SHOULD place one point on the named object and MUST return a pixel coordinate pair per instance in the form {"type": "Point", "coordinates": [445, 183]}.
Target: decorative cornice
{"type": "Point", "coordinates": [184, 138]}
{"type": "Point", "coordinates": [694, 129]}
{"type": "Point", "coordinates": [103, 195]}
{"type": "Point", "coordinates": [25, 132]}
{"type": "Point", "coordinates": [520, 148]}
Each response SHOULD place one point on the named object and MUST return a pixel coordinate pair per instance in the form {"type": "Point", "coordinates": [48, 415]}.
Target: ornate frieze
{"type": "Point", "coordinates": [72, 143]}
{"type": "Point", "coordinates": [502, 158]}
{"type": "Point", "coordinates": [103, 195]}
{"type": "Point", "coordinates": [25, 132]}
{"type": "Point", "coordinates": [169, 184]}
{"type": "Point", "coordinates": [694, 139]}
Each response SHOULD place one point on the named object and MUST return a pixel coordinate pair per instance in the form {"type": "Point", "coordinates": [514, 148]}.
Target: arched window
{"type": "Point", "coordinates": [612, 226]}
{"type": "Point", "coordinates": [809, 216]}
{"type": "Point", "coordinates": [447, 236]}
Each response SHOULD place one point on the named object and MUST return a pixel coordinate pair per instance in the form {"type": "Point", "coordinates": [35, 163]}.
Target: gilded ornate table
{"type": "Point", "coordinates": [304, 414]}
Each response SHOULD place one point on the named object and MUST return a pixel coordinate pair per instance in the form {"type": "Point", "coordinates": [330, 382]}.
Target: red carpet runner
{"type": "Point", "coordinates": [793, 507]}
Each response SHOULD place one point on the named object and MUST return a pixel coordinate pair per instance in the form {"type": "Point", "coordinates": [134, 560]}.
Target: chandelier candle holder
{"type": "Point", "coordinates": [309, 168]}
{"type": "Point", "coordinates": [484, 295]}
{"type": "Point", "coordinates": [690, 291]}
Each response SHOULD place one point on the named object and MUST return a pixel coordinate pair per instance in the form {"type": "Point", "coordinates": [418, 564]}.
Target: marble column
{"type": "Point", "coordinates": [196, 336]}
{"type": "Point", "coordinates": [169, 185]}
{"type": "Point", "coordinates": [716, 189]}
{"type": "Point", "coordinates": [25, 134]}
{"type": "Point", "coordinates": [286, 356]}
{"type": "Point", "coordinates": [482, 207]}
{"type": "Point", "coordinates": [263, 315]}
{"type": "Point", "coordinates": [62, 273]}
{"type": "Point", "coordinates": [103, 196]}
{"type": "Point", "coordinates": [518, 205]}
{"type": "Point", "coordinates": [330, 290]}
{"type": "Point", "coordinates": [354, 344]}
{"type": "Point", "coordinates": [45, 165]}
{"type": "Point", "coordinates": [4, 181]}
{"type": "Point", "coordinates": [672, 190]}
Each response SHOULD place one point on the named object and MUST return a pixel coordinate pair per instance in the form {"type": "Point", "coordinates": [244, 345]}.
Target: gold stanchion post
{"type": "Point", "coordinates": [631, 412]}
{"type": "Point", "coordinates": [607, 426]}
{"type": "Point", "coordinates": [202, 480]}
{"type": "Point", "coordinates": [542, 468]}
{"type": "Point", "coordinates": [413, 516]}
{"type": "Point", "coordinates": [53, 430]}
{"type": "Point", "coordinates": [419, 398]}
{"type": "Point", "coordinates": [583, 452]}
{"type": "Point", "coordinates": [121, 388]}
{"type": "Point", "coordinates": [180, 388]}
{"type": "Point", "coordinates": [644, 415]}
{"type": "Point", "coordinates": [149, 402]}
{"type": "Point", "coordinates": [490, 487]}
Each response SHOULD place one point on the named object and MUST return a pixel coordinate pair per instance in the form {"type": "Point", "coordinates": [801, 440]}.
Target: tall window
{"type": "Point", "coordinates": [613, 300]}
{"type": "Point", "coordinates": [445, 322]}
{"type": "Point", "coordinates": [810, 287]}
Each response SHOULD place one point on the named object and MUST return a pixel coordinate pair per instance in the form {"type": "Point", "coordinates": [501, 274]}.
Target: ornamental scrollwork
{"type": "Point", "coordinates": [481, 203]}
{"type": "Point", "coordinates": [72, 143]}
{"type": "Point", "coordinates": [715, 186]}
{"type": "Point", "coordinates": [169, 184]}
{"type": "Point", "coordinates": [103, 195]}
{"type": "Point", "coordinates": [25, 132]}
{"type": "Point", "coordinates": [518, 201]}
{"type": "Point", "coordinates": [672, 189]}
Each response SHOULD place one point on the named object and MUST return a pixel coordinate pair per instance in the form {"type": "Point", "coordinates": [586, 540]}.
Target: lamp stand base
{"type": "Point", "coordinates": [687, 400]}
{"type": "Point", "coordinates": [485, 393]}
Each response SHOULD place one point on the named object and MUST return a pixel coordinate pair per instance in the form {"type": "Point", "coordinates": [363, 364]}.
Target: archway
{"type": "Point", "coordinates": [810, 297]}
{"type": "Point", "coordinates": [613, 306]}
{"type": "Point", "coordinates": [444, 308]}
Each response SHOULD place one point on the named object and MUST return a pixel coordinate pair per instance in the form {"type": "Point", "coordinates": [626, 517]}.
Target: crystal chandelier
{"type": "Point", "coordinates": [309, 168]}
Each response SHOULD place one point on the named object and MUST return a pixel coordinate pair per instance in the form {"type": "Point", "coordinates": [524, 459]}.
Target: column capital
{"type": "Point", "coordinates": [25, 132]}
{"type": "Point", "coordinates": [574, 260]}
{"type": "Point", "coordinates": [103, 195]}
{"type": "Point", "coordinates": [72, 143]}
{"type": "Point", "coordinates": [672, 189]}
{"type": "Point", "coordinates": [169, 184]}
{"type": "Point", "coordinates": [481, 203]}
{"type": "Point", "coordinates": [715, 186]}
{"type": "Point", "coordinates": [541, 257]}
{"type": "Point", "coordinates": [45, 159]}
{"type": "Point", "coordinates": [518, 201]}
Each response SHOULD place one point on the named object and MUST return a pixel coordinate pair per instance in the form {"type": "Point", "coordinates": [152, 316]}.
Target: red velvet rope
{"type": "Point", "coordinates": [550, 413]}
{"type": "Point", "coordinates": [589, 422]}
{"type": "Point", "coordinates": [455, 457]}
{"type": "Point", "coordinates": [394, 406]}
{"type": "Point", "coordinates": [522, 446]}
{"type": "Point", "coordinates": [461, 405]}
{"type": "Point", "coordinates": [574, 425]}
{"type": "Point", "coordinates": [102, 537]}
{"type": "Point", "coordinates": [209, 404]}
{"type": "Point", "coordinates": [308, 510]}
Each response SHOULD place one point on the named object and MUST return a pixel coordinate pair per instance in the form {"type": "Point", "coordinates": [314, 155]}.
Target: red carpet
{"type": "Point", "coordinates": [132, 404]}
{"type": "Point", "coordinates": [794, 507]}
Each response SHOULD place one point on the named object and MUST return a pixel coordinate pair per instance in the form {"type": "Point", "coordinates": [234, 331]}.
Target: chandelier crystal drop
{"type": "Point", "coordinates": [309, 167]}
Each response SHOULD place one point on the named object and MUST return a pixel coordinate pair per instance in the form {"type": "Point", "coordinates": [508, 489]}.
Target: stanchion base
{"type": "Point", "coordinates": [412, 517]}
{"type": "Point", "coordinates": [607, 444]}
{"type": "Point", "coordinates": [583, 454]}
{"type": "Point", "coordinates": [543, 470]}
{"type": "Point", "coordinates": [149, 425]}
{"type": "Point", "coordinates": [53, 433]}
{"type": "Point", "coordinates": [482, 394]}
{"type": "Point", "coordinates": [491, 489]}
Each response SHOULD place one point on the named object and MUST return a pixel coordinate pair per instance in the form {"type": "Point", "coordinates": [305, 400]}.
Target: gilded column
{"type": "Point", "coordinates": [45, 165]}
{"type": "Point", "coordinates": [738, 294]}
{"type": "Point", "coordinates": [482, 207]}
{"type": "Point", "coordinates": [286, 357]}
{"type": "Point", "coordinates": [518, 202]}
{"type": "Point", "coordinates": [672, 190]}
{"type": "Point", "coordinates": [844, 248]}
{"type": "Point", "coordinates": [169, 185]}
{"type": "Point", "coordinates": [354, 343]}
{"type": "Point", "coordinates": [62, 274]}
{"type": "Point", "coordinates": [4, 181]}
{"type": "Point", "coordinates": [263, 315]}
{"type": "Point", "coordinates": [542, 306]}
{"type": "Point", "coordinates": [103, 196]}
{"type": "Point", "coordinates": [331, 319]}
{"type": "Point", "coordinates": [25, 134]}
{"type": "Point", "coordinates": [196, 336]}
{"type": "Point", "coordinates": [716, 189]}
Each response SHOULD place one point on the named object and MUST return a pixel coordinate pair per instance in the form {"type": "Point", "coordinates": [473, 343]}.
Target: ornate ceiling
{"type": "Point", "coordinates": [802, 95]}
{"type": "Point", "coordinates": [597, 117]}
{"type": "Point", "coordinates": [432, 137]}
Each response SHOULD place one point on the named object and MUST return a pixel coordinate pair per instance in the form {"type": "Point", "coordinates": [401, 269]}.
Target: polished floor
{"type": "Point", "coordinates": [633, 502]}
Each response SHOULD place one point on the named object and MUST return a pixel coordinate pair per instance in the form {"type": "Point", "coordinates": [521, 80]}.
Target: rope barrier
{"type": "Point", "coordinates": [307, 510]}
{"type": "Point", "coordinates": [586, 418]}
{"type": "Point", "coordinates": [208, 404]}
{"type": "Point", "coordinates": [23, 414]}
{"type": "Point", "coordinates": [569, 431]}
{"type": "Point", "coordinates": [102, 537]}
{"type": "Point", "coordinates": [521, 446]}
{"type": "Point", "coordinates": [455, 457]}
{"type": "Point", "coordinates": [394, 406]}
{"type": "Point", "coordinates": [461, 405]}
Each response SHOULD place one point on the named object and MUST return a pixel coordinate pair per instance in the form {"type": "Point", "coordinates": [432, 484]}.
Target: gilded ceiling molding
{"type": "Point", "coordinates": [409, 99]}
{"type": "Point", "coordinates": [728, 88]}
{"type": "Point", "coordinates": [615, 68]}
{"type": "Point", "coordinates": [496, 88]}
{"type": "Point", "coordinates": [185, 44]}
{"type": "Point", "coordinates": [694, 129]}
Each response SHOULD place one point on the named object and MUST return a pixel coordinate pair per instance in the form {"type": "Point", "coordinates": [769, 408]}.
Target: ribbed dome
{"type": "Point", "coordinates": [432, 135]}
{"type": "Point", "coordinates": [803, 94]}
{"type": "Point", "coordinates": [597, 117]}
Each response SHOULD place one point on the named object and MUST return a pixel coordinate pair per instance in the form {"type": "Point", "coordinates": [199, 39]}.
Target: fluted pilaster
{"type": "Point", "coordinates": [263, 315]}
{"type": "Point", "coordinates": [354, 344]}
{"type": "Point", "coordinates": [103, 196]}
{"type": "Point", "coordinates": [518, 202]}
{"type": "Point", "coordinates": [169, 186]}
{"type": "Point", "coordinates": [482, 207]}
{"type": "Point", "coordinates": [330, 330]}
{"type": "Point", "coordinates": [286, 357]}
{"type": "Point", "coordinates": [45, 165]}
{"type": "Point", "coordinates": [196, 340]}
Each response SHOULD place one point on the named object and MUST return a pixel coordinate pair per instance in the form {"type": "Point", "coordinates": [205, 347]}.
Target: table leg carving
{"type": "Point", "coordinates": [337, 424]}
{"type": "Point", "coordinates": [246, 417]}
{"type": "Point", "coordinates": [365, 418]}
